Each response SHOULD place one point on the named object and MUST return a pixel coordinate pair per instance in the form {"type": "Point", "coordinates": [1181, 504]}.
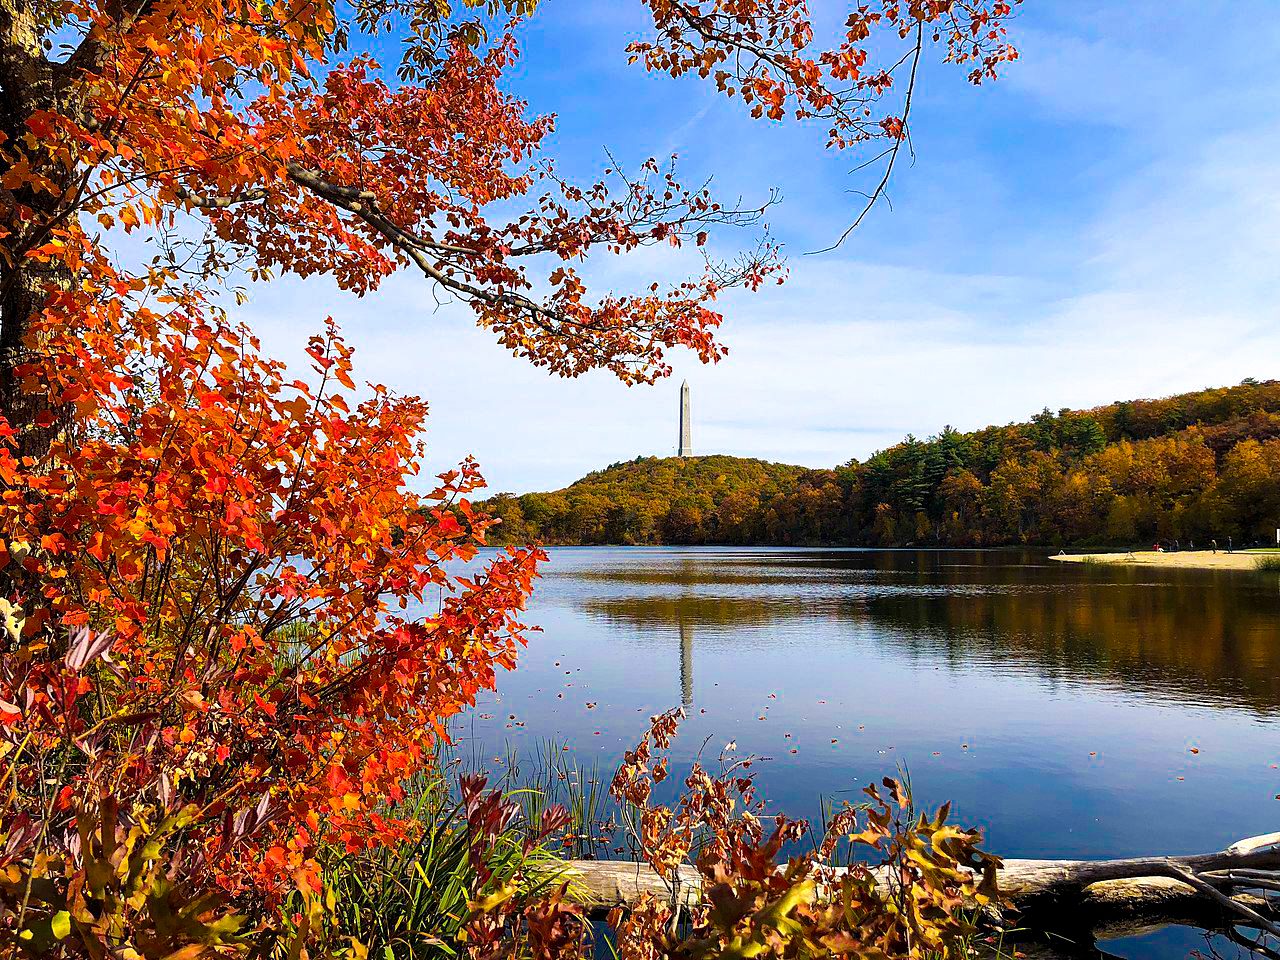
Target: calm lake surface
{"type": "Point", "coordinates": [1071, 711]}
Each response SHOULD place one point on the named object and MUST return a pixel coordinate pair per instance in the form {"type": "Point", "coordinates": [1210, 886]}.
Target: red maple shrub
{"type": "Point", "coordinates": [230, 629]}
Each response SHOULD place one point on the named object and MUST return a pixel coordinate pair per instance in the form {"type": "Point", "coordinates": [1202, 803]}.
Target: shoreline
{"type": "Point", "coordinates": [1182, 560]}
{"type": "Point", "coordinates": [1246, 559]}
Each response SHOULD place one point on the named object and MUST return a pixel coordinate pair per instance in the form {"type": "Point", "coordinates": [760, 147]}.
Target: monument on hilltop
{"type": "Point", "coordinates": [686, 431]}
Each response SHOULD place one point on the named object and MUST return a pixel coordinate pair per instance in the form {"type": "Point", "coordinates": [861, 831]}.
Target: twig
{"type": "Point", "coordinates": [1179, 872]}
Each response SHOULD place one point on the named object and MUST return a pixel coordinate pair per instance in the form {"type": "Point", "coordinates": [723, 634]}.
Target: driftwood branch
{"type": "Point", "coordinates": [1228, 903]}
{"type": "Point", "coordinates": [1092, 889]}
{"type": "Point", "coordinates": [1029, 878]}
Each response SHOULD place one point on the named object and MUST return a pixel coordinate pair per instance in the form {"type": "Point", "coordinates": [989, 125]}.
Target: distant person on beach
{"type": "Point", "coordinates": [1215, 545]}
{"type": "Point", "coordinates": [1229, 546]}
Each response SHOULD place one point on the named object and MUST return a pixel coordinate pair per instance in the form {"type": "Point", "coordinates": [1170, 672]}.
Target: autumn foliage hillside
{"type": "Point", "coordinates": [1189, 467]}
{"type": "Point", "coordinates": [652, 500]}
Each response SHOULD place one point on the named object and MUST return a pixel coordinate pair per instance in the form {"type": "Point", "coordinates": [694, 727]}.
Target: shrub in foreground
{"type": "Point", "coordinates": [215, 664]}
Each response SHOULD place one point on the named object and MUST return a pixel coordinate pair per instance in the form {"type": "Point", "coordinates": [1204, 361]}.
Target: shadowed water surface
{"type": "Point", "coordinates": [1058, 706]}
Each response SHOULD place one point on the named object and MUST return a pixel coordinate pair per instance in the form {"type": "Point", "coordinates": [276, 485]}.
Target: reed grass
{"type": "Point", "coordinates": [411, 901]}
{"type": "Point", "coordinates": [550, 777]}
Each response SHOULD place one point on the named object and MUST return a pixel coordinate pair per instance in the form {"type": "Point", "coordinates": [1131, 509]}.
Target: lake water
{"type": "Point", "coordinates": [1070, 711]}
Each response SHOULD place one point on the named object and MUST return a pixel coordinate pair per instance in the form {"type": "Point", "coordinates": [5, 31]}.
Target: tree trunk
{"type": "Point", "coordinates": [23, 293]}
{"type": "Point", "coordinates": [27, 85]}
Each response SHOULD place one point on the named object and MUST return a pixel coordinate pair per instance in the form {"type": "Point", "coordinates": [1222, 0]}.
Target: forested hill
{"type": "Point", "coordinates": [1189, 467]}
{"type": "Point", "coordinates": [653, 500]}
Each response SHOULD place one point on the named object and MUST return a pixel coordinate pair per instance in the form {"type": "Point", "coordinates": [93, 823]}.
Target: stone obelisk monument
{"type": "Point", "coordinates": [686, 431]}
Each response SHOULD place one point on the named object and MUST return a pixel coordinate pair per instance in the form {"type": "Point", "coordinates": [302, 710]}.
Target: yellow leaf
{"type": "Point", "coordinates": [61, 924]}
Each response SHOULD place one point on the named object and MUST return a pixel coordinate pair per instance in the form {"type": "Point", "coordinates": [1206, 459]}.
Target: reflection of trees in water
{"type": "Point", "coordinates": [690, 614]}
{"type": "Point", "coordinates": [1186, 640]}
{"type": "Point", "coordinates": [696, 575]}
{"type": "Point", "coordinates": [1196, 639]}
{"type": "Point", "coordinates": [710, 614]}
{"type": "Point", "coordinates": [693, 567]}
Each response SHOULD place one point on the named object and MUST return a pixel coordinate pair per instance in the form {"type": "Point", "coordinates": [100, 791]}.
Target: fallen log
{"type": "Point", "coordinates": [1022, 879]}
{"type": "Point", "coordinates": [1094, 891]}
{"type": "Point", "coordinates": [601, 885]}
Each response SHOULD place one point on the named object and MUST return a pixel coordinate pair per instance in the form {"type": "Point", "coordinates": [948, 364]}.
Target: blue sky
{"type": "Point", "coordinates": [1102, 223]}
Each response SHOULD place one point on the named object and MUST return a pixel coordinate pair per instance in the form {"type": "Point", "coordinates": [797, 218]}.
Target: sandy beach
{"type": "Point", "coordinates": [1186, 559]}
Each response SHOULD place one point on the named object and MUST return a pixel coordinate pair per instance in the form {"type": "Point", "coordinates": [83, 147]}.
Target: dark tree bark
{"type": "Point", "coordinates": [29, 82]}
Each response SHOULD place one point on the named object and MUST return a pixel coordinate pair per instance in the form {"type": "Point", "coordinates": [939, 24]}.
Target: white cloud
{"type": "Point", "coordinates": [1176, 289]}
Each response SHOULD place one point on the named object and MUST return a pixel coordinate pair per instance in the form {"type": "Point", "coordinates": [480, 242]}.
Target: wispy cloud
{"type": "Point", "coordinates": [1088, 231]}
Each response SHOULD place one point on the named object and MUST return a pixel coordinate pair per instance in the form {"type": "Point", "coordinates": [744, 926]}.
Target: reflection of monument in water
{"type": "Point", "coordinates": [686, 663]}
{"type": "Point", "coordinates": [686, 628]}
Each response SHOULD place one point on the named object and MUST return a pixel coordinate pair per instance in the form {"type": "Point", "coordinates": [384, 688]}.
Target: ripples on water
{"type": "Point", "coordinates": [1057, 705]}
